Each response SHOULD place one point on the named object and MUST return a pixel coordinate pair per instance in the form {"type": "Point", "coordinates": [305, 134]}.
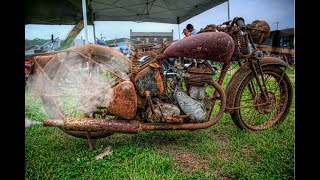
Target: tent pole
{"type": "Point", "coordinates": [94, 33]}
{"type": "Point", "coordinates": [84, 14]}
{"type": "Point", "coordinates": [228, 10]}
{"type": "Point", "coordinates": [94, 28]}
{"type": "Point", "coordinates": [178, 22]}
{"type": "Point", "coordinates": [179, 30]}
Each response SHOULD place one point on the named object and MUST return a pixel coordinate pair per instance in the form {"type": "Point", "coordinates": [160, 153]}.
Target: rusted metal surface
{"type": "Point", "coordinates": [200, 68]}
{"type": "Point", "coordinates": [146, 53]}
{"type": "Point", "coordinates": [241, 43]}
{"type": "Point", "coordinates": [242, 72]}
{"type": "Point", "coordinates": [149, 79]}
{"type": "Point", "coordinates": [209, 28]}
{"type": "Point", "coordinates": [192, 126]}
{"type": "Point", "coordinates": [259, 31]}
{"type": "Point", "coordinates": [273, 60]}
{"type": "Point", "coordinates": [124, 103]}
{"type": "Point", "coordinates": [199, 75]}
{"type": "Point", "coordinates": [153, 48]}
{"type": "Point", "coordinates": [135, 65]}
{"type": "Point", "coordinates": [42, 60]}
{"type": "Point", "coordinates": [158, 59]}
{"type": "Point", "coordinates": [234, 84]}
{"type": "Point", "coordinates": [164, 112]}
{"type": "Point", "coordinates": [137, 54]}
{"type": "Point", "coordinates": [141, 46]}
{"type": "Point", "coordinates": [269, 103]}
{"type": "Point", "coordinates": [198, 105]}
{"type": "Point", "coordinates": [148, 97]}
{"type": "Point", "coordinates": [141, 102]}
{"type": "Point", "coordinates": [95, 125]}
{"type": "Point", "coordinates": [223, 73]}
{"type": "Point", "coordinates": [217, 46]}
{"type": "Point", "coordinates": [133, 126]}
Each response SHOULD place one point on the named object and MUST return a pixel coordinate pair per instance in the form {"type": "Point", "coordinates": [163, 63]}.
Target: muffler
{"type": "Point", "coordinates": [95, 125]}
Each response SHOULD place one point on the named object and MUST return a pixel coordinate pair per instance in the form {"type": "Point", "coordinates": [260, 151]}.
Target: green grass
{"type": "Point", "coordinates": [220, 152]}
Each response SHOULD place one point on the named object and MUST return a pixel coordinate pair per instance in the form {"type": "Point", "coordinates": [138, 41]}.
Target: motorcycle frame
{"type": "Point", "coordinates": [135, 125]}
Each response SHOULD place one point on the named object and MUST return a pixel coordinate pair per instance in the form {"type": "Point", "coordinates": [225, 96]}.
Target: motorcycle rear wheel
{"type": "Point", "coordinates": [253, 112]}
{"type": "Point", "coordinates": [73, 86]}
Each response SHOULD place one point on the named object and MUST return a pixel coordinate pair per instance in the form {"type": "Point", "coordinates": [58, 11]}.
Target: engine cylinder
{"type": "Point", "coordinates": [191, 106]}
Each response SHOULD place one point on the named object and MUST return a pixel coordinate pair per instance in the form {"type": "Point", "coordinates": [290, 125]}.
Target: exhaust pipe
{"type": "Point", "coordinates": [95, 125]}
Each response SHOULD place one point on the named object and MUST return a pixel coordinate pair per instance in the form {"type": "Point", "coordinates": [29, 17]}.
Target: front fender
{"type": "Point", "coordinates": [241, 73]}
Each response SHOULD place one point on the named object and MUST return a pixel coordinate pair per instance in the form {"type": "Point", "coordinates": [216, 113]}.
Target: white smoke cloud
{"type": "Point", "coordinates": [77, 85]}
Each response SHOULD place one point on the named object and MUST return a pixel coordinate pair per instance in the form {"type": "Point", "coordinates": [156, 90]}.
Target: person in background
{"type": "Point", "coordinates": [186, 32]}
{"type": "Point", "coordinates": [191, 30]}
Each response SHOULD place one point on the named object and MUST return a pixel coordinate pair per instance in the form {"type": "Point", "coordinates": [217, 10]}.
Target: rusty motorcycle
{"type": "Point", "coordinates": [92, 91]}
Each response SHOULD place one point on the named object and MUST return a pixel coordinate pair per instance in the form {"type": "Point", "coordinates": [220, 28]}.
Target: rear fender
{"type": "Point", "coordinates": [241, 73]}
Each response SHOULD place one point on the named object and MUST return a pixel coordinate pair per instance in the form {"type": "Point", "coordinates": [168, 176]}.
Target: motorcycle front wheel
{"type": "Point", "coordinates": [253, 111]}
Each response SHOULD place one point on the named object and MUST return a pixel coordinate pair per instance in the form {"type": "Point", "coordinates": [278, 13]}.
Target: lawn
{"type": "Point", "coordinates": [222, 151]}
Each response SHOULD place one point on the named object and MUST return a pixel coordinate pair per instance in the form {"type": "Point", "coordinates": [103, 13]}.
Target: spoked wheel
{"type": "Point", "coordinates": [255, 112]}
{"type": "Point", "coordinates": [77, 83]}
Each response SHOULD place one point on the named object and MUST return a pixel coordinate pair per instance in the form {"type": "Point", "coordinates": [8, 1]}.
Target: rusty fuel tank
{"type": "Point", "coordinates": [217, 46]}
{"type": "Point", "coordinates": [124, 103]}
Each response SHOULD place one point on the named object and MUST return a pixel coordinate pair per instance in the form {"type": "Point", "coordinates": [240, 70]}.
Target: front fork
{"type": "Point", "coordinates": [262, 86]}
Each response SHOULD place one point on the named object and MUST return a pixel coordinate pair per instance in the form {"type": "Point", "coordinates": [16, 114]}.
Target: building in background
{"type": "Point", "coordinates": [51, 46]}
{"type": "Point", "coordinates": [281, 38]}
{"type": "Point", "coordinates": [152, 37]}
{"type": "Point", "coordinates": [281, 43]}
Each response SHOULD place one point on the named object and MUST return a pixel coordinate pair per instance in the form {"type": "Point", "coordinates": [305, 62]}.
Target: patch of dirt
{"type": "Point", "coordinates": [190, 161]}
{"type": "Point", "coordinates": [246, 151]}
{"type": "Point", "coordinates": [167, 141]}
{"type": "Point", "coordinates": [218, 173]}
{"type": "Point", "coordinates": [224, 153]}
{"type": "Point", "coordinates": [221, 137]}
{"type": "Point", "coordinates": [231, 126]}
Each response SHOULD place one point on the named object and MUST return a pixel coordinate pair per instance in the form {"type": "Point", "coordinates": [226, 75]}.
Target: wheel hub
{"type": "Point", "coordinates": [264, 105]}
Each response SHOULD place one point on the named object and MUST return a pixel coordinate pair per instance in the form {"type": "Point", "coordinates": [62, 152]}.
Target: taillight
{"type": "Point", "coordinates": [28, 66]}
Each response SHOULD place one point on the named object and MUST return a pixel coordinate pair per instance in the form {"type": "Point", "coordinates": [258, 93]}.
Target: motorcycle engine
{"type": "Point", "coordinates": [194, 101]}
{"type": "Point", "coordinates": [190, 100]}
{"type": "Point", "coordinates": [162, 112]}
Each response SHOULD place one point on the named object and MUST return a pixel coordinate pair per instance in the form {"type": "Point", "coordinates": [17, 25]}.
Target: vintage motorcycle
{"type": "Point", "coordinates": [92, 91]}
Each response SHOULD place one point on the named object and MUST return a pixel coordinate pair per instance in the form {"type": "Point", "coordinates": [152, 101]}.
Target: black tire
{"type": "Point", "coordinates": [256, 117]}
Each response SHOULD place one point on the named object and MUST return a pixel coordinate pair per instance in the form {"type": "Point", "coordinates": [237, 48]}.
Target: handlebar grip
{"type": "Point", "coordinates": [240, 23]}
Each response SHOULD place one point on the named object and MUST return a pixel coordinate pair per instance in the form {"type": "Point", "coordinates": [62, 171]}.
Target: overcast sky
{"type": "Point", "coordinates": [272, 11]}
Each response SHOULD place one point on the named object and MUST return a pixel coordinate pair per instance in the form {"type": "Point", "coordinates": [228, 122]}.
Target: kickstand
{"type": "Point", "coordinates": [89, 140]}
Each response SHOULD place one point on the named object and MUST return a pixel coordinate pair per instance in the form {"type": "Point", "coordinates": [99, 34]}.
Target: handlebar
{"type": "Point", "coordinates": [239, 21]}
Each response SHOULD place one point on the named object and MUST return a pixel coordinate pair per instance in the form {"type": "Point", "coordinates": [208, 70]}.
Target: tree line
{"type": "Point", "coordinates": [28, 43]}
